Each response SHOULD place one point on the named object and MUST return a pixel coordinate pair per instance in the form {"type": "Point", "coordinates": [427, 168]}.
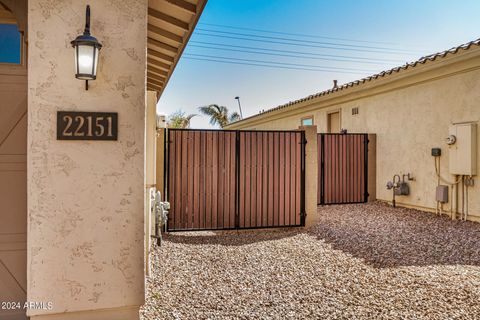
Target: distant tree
{"type": "Point", "coordinates": [179, 120]}
{"type": "Point", "coordinates": [219, 115]}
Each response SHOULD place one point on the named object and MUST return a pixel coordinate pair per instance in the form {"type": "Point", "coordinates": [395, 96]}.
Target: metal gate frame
{"type": "Point", "coordinates": [322, 171]}
{"type": "Point", "coordinates": [237, 226]}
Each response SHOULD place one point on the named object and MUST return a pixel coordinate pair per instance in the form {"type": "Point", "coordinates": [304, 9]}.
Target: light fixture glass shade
{"type": "Point", "coordinates": [86, 60]}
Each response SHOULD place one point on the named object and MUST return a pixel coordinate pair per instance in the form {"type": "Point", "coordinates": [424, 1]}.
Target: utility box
{"type": "Point", "coordinates": [463, 148]}
{"type": "Point", "coordinates": [402, 189]}
{"type": "Point", "coordinates": [436, 152]}
{"type": "Point", "coordinates": [442, 194]}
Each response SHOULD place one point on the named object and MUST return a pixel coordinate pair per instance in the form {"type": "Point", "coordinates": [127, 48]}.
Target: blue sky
{"type": "Point", "coordinates": [396, 30]}
{"type": "Point", "coordinates": [381, 34]}
{"type": "Point", "coordinates": [9, 43]}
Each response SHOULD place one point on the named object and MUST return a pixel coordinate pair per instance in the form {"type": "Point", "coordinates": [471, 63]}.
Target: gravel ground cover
{"type": "Point", "coordinates": [367, 261]}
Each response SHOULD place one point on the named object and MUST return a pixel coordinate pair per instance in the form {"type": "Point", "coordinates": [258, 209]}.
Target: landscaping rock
{"type": "Point", "coordinates": [366, 261]}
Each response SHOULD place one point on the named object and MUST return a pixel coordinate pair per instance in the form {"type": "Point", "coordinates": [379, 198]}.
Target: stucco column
{"type": "Point", "coordinates": [311, 174]}
{"type": "Point", "coordinates": [150, 171]}
{"type": "Point", "coordinates": [150, 140]}
{"type": "Point", "coordinates": [86, 198]}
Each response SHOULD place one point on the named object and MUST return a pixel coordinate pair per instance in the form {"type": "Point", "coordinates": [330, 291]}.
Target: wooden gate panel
{"type": "Point", "coordinates": [235, 179]}
{"type": "Point", "coordinates": [200, 192]}
{"type": "Point", "coordinates": [271, 179]}
{"type": "Point", "coordinates": [342, 168]}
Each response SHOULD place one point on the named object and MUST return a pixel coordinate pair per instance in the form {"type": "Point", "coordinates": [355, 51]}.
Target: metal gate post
{"type": "Point", "coordinates": [365, 140]}
{"type": "Point", "coordinates": [302, 182]}
{"type": "Point", "coordinates": [237, 179]}
{"type": "Point", "coordinates": [322, 169]}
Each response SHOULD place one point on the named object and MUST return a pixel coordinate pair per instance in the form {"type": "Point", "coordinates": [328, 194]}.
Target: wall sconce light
{"type": "Point", "coordinates": [86, 48]}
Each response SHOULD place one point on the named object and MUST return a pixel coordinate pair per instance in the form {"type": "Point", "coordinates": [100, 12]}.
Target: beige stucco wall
{"type": "Point", "coordinates": [86, 198]}
{"type": "Point", "coordinates": [311, 171]}
{"type": "Point", "coordinates": [150, 171]}
{"type": "Point", "coordinates": [409, 112]}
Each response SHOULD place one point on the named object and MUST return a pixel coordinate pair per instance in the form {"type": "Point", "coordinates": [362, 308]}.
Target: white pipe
{"type": "Point", "coordinates": [451, 204]}
{"type": "Point", "coordinates": [465, 199]}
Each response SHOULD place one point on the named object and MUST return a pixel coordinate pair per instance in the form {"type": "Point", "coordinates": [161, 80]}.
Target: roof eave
{"type": "Point", "coordinates": [383, 79]}
{"type": "Point", "coordinates": [159, 61]}
{"type": "Point", "coordinates": [395, 74]}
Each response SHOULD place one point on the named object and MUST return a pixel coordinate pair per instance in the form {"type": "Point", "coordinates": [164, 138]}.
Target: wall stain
{"type": "Point", "coordinates": [123, 264]}
{"type": "Point", "coordinates": [131, 53]}
{"type": "Point", "coordinates": [42, 88]}
{"type": "Point", "coordinates": [106, 219]}
{"type": "Point", "coordinates": [124, 82]}
{"type": "Point", "coordinates": [97, 268]}
{"type": "Point", "coordinates": [47, 7]}
{"type": "Point", "coordinates": [95, 296]}
{"type": "Point", "coordinates": [69, 222]}
{"type": "Point", "coordinates": [130, 11]}
{"type": "Point", "coordinates": [65, 163]}
{"type": "Point", "coordinates": [130, 154]}
{"type": "Point", "coordinates": [83, 250]}
{"type": "Point", "coordinates": [74, 287]}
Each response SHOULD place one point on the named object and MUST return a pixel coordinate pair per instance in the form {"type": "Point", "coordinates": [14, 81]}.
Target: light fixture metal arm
{"type": "Point", "coordinates": [87, 21]}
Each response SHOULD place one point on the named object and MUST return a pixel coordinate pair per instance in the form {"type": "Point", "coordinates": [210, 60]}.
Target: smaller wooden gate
{"type": "Point", "coordinates": [221, 179]}
{"type": "Point", "coordinates": [342, 168]}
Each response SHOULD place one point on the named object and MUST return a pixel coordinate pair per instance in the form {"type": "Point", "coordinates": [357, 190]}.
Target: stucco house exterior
{"type": "Point", "coordinates": [74, 215]}
{"type": "Point", "coordinates": [411, 109]}
{"type": "Point", "coordinates": [75, 224]}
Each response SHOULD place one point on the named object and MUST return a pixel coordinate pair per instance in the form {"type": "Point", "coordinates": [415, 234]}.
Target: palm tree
{"type": "Point", "coordinates": [219, 115]}
{"type": "Point", "coordinates": [179, 120]}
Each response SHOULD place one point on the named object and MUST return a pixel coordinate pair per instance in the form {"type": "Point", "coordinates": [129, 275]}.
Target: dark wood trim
{"type": "Point", "coordinates": [156, 82]}
{"type": "Point", "coordinates": [156, 70]}
{"type": "Point", "coordinates": [153, 87]}
{"type": "Point", "coordinates": [160, 64]}
{"type": "Point", "coordinates": [164, 33]}
{"type": "Point", "coordinates": [160, 55]}
{"type": "Point", "coordinates": [162, 45]}
{"type": "Point", "coordinates": [184, 5]}
{"type": "Point", "coordinates": [169, 19]}
{"type": "Point", "coordinates": [156, 77]}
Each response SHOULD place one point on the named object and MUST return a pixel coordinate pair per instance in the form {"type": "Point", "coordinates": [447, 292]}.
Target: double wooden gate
{"type": "Point", "coordinates": [342, 168]}
{"type": "Point", "coordinates": [220, 179]}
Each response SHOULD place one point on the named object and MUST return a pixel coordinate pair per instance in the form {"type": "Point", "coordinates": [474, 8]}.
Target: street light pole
{"type": "Point", "coordinates": [239, 107]}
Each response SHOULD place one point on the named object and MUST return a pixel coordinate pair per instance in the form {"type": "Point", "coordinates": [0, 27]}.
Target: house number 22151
{"type": "Point", "coordinates": [72, 125]}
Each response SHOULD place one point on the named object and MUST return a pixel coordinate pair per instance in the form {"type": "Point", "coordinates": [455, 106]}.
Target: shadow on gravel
{"type": "Point", "coordinates": [392, 237]}
{"type": "Point", "coordinates": [231, 237]}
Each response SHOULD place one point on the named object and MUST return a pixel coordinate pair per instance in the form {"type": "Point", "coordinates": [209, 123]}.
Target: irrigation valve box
{"type": "Point", "coordinates": [462, 143]}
